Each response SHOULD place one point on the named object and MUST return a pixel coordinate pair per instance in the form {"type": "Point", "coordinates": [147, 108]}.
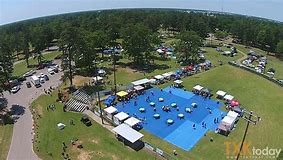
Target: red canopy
{"type": "Point", "coordinates": [234, 103]}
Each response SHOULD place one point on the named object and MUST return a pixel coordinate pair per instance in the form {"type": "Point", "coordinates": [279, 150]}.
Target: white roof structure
{"type": "Point", "coordinates": [132, 121]}
{"type": "Point", "coordinates": [98, 78]}
{"type": "Point", "coordinates": [140, 82]}
{"type": "Point", "coordinates": [178, 81]}
{"type": "Point", "coordinates": [221, 93]}
{"type": "Point", "coordinates": [232, 114]}
{"type": "Point", "coordinates": [128, 133]}
{"type": "Point", "coordinates": [228, 97]}
{"type": "Point", "coordinates": [159, 77]}
{"type": "Point", "coordinates": [198, 87]}
{"type": "Point", "coordinates": [168, 74]}
{"type": "Point", "coordinates": [121, 116]}
{"type": "Point", "coordinates": [153, 81]}
{"type": "Point", "coordinates": [110, 110]}
{"type": "Point", "coordinates": [228, 120]}
{"type": "Point", "coordinates": [138, 88]}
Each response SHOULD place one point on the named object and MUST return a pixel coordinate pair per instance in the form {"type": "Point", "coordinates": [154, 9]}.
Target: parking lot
{"type": "Point", "coordinates": [21, 145]}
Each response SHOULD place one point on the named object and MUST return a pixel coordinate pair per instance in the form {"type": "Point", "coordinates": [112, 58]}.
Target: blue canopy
{"type": "Point", "coordinates": [109, 100]}
{"type": "Point", "coordinates": [178, 71]}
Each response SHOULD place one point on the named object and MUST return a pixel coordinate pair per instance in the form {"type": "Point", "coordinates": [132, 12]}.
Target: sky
{"type": "Point", "coordinates": [17, 10]}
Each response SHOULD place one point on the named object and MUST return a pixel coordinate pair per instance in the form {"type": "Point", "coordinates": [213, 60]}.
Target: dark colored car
{"type": "Point", "coordinates": [28, 84]}
{"type": "Point", "coordinates": [46, 77]}
{"type": "Point", "coordinates": [86, 121]}
{"type": "Point", "coordinates": [21, 79]}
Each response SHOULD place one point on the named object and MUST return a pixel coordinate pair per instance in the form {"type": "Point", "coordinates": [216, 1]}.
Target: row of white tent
{"type": "Point", "coordinates": [220, 94]}
{"type": "Point", "coordinates": [153, 80]}
{"type": "Point", "coordinates": [120, 117]}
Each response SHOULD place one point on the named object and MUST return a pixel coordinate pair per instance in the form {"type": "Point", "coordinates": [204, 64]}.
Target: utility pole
{"type": "Point", "coordinates": [98, 95]}
{"type": "Point", "coordinates": [249, 120]}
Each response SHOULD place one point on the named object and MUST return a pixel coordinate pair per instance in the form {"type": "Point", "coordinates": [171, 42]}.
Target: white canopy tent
{"type": "Point", "coordinates": [138, 88]}
{"type": "Point", "coordinates": [227, 123]}
{"type": "Point", "coordinates": [110, 111]}
{"type": "Point", "coordinates": [141, 82]}
{"type": "Point", "coordinates": [228, 97]}
{"type": "Point", "coordinates": [178, 81]}
{"type": "Point", "coordinates": [120, 117]}
{"type": "Point", "coordinates": [132, 121]}
{"type": "Point", "coordinates": [152, 81]}
{"type": "Point", "coordinates": [198, 87]}
{"type": "Point", "coordinates": [232, 114]}
{"type": "Point", "coordinates": [128, 133]}
{"type": "Point", "coordinates": [167, 75]}
{"type": "Point", "coordinates": [159, 77]}
{"type": "Point", "coordinates": [220, 93]}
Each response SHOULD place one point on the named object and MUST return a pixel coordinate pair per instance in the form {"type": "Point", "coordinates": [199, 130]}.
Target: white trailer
{"type": "Point", "coordinates": [35, 80]}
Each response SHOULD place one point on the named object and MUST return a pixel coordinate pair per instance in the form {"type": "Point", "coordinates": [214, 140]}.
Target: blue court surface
{"type": "Point", "coordinates": [181, 133]}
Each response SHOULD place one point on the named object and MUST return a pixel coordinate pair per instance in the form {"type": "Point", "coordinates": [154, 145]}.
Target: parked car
{"type": "Point", "coordinates": [46, 78]}
{"type": "Point", "coordinates": [85, 120]}
{"type": "Point", "coordinates": [41, 79]}
{"type": "Point", "coordinates": [50, 71]}
{"type": "Point", "coordinates": [21, 79]}
{"type": "Point", "coordinates": [28, 84]}
{"type": "Point", "coordinates": [15, 89]}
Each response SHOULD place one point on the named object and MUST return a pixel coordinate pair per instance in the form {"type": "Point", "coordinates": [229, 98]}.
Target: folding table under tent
{"type": "Point", "coordinates": [127, 134]}
{"type": "Point", "coordinates": [120, 117]}
{"type": "Point", "coordinates": [110, 111]}
{"type": "Point", "coordinates": [132, 121]}
{"type": "Point", "coordinates": [220, 94]}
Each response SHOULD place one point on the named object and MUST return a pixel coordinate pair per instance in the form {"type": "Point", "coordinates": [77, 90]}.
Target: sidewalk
{"type": "Point", "coordinates": [98, 120]}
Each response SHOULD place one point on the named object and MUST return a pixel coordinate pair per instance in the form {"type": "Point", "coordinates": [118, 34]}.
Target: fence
{"type": "Point", "coordinates": [158, 152]}
{"type": "Point", "coordinates": [274, 80]}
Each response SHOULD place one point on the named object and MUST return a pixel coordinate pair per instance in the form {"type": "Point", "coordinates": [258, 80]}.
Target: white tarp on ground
{"type": "Point", "coordinates": [159, 77]}
{"type": "Point", "coordinates": [228, 97]}
{"type": "Point", "coordinates": [121, 116]}
{"type": "Point", "coordinates": [132, 121]}
{"type": "Point", "coordinates": [140, 82]}
{"type": "Point", "coordinates": [110, 110]}
{"type": "Point", "coordinates": [178, 81]}
{"type": "Point", "coordinates": [198, 87]}
{"type": "Point", "coordinates": [128, 133]}
{"type": "Point", "coordinates": [220, 93]}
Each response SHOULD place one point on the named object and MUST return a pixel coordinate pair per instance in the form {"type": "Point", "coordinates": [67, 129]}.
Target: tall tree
{"type": "Point", "coordinates": [137, 43]}
{"type": "Point", "coordinates": [279, 48]}
{"type": "Point", "coordinates": [6, 64]}
{"type": "Point", "coordinates": [188, 47]}
{"type": "Point", "coordinates": [69, 40]}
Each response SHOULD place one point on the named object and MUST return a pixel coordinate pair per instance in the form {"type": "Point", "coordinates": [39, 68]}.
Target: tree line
{"type": "Point", "coordinates": [82, 35]}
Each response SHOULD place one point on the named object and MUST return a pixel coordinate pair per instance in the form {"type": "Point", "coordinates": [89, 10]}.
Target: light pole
{"type": "Point", "coordinates": [249, 120]}
{"type": "Point", "coordinates": [98, 95]}
{"type": "Point", "coordinates": [114, 71]}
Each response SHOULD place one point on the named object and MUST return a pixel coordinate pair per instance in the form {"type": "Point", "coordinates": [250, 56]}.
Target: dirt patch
{"type": "Point", "coordinates": [114, 157]}
{"type": "Point", "coordinates": [39, 110]}
{"type": "Point", "coordinates": [95, 141]}
{"type": "Point", "coordinates": [81, 80]}
{"type": "Point", "coordinates": [84, 155]}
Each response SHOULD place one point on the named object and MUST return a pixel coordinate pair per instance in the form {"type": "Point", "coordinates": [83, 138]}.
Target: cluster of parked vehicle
{"type": "Point", "coordinates": [36, 80]}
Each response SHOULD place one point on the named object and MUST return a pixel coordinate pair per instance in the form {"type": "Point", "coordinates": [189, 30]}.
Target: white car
{"type": "Point", "coordinates": [51, 71]}
{"type": "Point", "coordinates": [15, 89]}
{"type": "Point", "coordinates": [42, 79]}
{"type": "Point", "coordinates": [41, 75]}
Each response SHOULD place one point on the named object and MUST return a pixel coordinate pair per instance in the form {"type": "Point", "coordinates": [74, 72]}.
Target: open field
{"type": "Point", "coordinates": [6, 133]}
{"type": "Point", "coordinates": [21, 68]}
{"type": "Point", "coordinates": [254, 93]}
{"type": "Point", "coordinates": [98, 143]}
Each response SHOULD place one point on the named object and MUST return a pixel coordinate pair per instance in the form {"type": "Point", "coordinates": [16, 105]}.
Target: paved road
{"type": "Point", "coordinates": [21, 147]}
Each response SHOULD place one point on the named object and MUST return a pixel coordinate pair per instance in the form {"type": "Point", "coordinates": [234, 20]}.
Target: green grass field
{"type": "Point", "coordinates": [254, 93]}
{"type": "Point", "coordinates": [5, 140]}
{"type": "Point", "coordinates": [98, 143]}
{"type": "Point", "coordinates": [21, 68]}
